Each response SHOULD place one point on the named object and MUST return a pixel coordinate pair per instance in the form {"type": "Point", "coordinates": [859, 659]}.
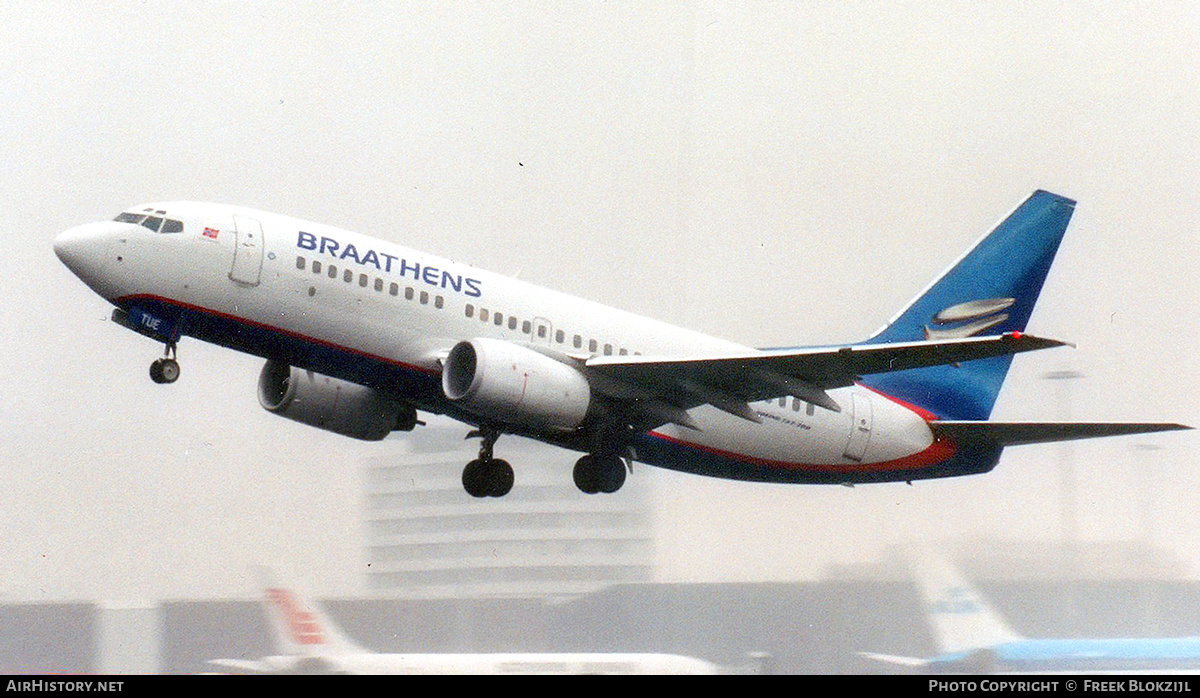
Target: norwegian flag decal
{"type": "Point", "coordinates": [211, 233]}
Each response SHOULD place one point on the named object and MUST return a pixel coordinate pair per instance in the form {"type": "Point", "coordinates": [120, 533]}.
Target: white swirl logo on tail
{"type": "Point", "coordinates": [969, 319]}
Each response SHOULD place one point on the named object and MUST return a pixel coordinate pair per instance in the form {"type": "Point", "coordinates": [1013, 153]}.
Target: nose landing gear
{"type": "Point", "coordinates": [165, 369]}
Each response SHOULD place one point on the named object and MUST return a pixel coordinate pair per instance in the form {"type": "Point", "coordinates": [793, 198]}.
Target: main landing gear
{"type": "Point", "coordinates": [165, 369]}
{"type": "Point", "coordinates": [487, 476]}
{"type": "Point", "coordinates": [596, 473]}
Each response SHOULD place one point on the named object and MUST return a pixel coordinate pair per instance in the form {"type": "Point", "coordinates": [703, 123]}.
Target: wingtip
{"type": "Point", "coordinates": [1037, 342]}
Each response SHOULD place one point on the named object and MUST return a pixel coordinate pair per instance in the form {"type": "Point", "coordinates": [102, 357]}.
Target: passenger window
{"type": "Point", "coordinates": [512, 322]}
{"type": "Point", "coordinates": [608, 350]}
{"type": "Point", "coordinates": [424, 297]}
{"type": "Point", "coordinates": [438, 302]}
{"type": "Point", "coordinates": [470, 310]}
{"type": "Point", "coordinates": [559, 336]}
{"type": "Point", "coordinates": [348, 276]}
{"type": "Point", "coordinates": [624, 351]}
{"type": "Point", "coordinates": [578, 341]}
{"type": "Point", "coordinates": [394, 289]}
{"type": "Point", "coordinates": [483, 314]}
{"type": "Point", "coordinates": [316, 267]}
{"type": "Point", "coordinates": [332, 271]}
{"type": "Point", "coordinates": [172, 226]}
{"type": "Point", "coordinates": [592, 345]}
{"type": "Point", "coordinates": [809, 409]}
{"type": "Point", "coordinates": [526, 327]}
{"type": "Point", "coordinates": [541, 332]}
{"type": "Point", "coordinates": [795, 404]}
{"type": "Point", "coordinates": [152, 222]}
{"type": "Point", "coordinates": [300, 263]}
{"type": "Point", "coordinates": [378, 284]}
{"type": "Point", "coordinates": [408, 293]}
{"type": "Point", "coordinates": [362, 280]}
{"type": "Point", "coordinates": [499, 319]}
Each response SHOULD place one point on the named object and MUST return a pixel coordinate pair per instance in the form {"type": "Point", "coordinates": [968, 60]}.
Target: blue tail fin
{"type": "Point", "coordinates": [990, 290]}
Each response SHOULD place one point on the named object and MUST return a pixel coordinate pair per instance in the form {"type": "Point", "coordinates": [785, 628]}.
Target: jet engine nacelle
{"type": "Point", "coordinates": [328, 403]}
{"type": "Point", "coordinates": [512, 384]}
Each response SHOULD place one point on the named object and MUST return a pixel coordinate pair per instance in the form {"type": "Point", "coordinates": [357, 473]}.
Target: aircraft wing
{"type": "Point", "coordinates": [730, 382]}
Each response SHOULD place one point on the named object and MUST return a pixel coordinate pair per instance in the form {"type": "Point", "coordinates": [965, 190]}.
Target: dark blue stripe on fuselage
{"type": "Point", "coordinates": [395, 378]}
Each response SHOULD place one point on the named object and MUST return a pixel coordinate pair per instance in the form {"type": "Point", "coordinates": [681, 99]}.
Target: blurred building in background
{"type": "Point", "coordinates": [427, 538]}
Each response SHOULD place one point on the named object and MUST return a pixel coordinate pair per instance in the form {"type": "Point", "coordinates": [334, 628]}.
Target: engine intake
{"type": "Point", "coordinates": [331, 404]}
{"type": "Point", "coordinates": [512, 384]}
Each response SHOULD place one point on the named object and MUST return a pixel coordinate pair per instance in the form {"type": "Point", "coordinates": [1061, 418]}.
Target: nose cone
{"type": "Point", "coordinates": [85, 251]}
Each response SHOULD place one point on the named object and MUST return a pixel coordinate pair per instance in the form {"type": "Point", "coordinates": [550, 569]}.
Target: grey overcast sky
{"type": "Point", "coordinates": [775, 173]}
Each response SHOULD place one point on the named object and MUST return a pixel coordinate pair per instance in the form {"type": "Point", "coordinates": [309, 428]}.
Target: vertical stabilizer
{"type": "Point", "coordinates": [301, 628]}
{"type": "Point", "coordinates": [990, 290]}
{"type": "Point", "coordinates": [961, 619]}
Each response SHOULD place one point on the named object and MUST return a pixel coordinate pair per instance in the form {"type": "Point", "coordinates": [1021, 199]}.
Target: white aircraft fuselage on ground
{"type": "Point", "coordinates": [359, 334]}
{"type": "Point", "coordinates": [309, 642]}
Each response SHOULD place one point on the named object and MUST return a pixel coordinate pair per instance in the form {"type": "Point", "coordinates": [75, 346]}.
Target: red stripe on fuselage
{"type": "Point", "coordinates": [940, 451]}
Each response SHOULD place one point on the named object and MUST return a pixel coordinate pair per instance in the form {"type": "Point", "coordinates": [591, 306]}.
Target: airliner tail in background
{"type": "Point", "coordinates": [307, 640]}
{"type": "Point", "coordinates": [971, 636]}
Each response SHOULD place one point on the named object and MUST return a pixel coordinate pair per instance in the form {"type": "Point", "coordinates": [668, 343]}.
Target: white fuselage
{"type": "Point", "coordinates": [370, 311]}
{"type": "Point", "coordinates": [656, 664]}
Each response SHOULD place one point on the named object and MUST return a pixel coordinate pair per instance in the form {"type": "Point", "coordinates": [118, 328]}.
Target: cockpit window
{"type": "Point", "coordinates": [155, 223]}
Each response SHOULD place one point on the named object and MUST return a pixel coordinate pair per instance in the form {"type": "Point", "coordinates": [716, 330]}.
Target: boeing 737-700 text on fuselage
{"type": "Point", "coordinates": [360, 334]}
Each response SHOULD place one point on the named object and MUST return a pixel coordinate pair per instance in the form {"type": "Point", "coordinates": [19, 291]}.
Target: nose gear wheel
{"type": "Point", "coordinates": [165, 369]}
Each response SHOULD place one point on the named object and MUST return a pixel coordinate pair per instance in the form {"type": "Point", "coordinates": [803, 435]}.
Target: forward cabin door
{"type": "Point", "coordinates": [247, 251]}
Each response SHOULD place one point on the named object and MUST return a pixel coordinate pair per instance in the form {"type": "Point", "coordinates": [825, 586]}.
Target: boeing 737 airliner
{"type": "Point", "coordinates": [359, 334]}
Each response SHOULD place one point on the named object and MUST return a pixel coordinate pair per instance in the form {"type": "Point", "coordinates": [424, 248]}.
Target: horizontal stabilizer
{"type": "Point", "coordinates": [1017, 433]}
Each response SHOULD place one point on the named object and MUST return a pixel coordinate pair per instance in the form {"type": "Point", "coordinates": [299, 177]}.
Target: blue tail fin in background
{"type": "Point", "coordinates": [990, 290]}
